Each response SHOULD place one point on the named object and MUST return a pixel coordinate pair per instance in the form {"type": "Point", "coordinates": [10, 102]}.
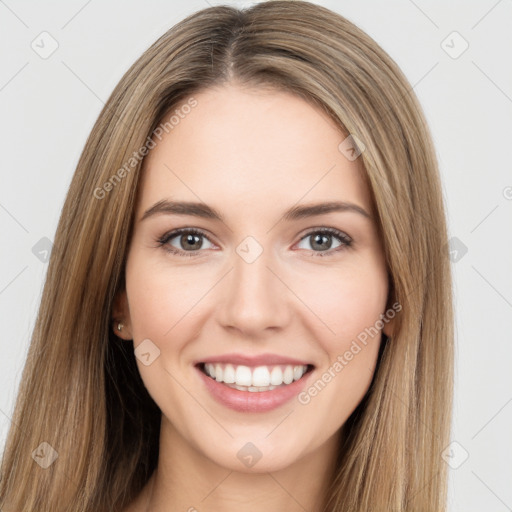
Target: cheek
{"type": "Point", "coordinates": [350, 302]}
{"type": "Point", "coordinates": [345, 302]}
{"type": "Point", "coordinates": [161, 297]}
{"type": "Point", "coordinates": [162, 303]}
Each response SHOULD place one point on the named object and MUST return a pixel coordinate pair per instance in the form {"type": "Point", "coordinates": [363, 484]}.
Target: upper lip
{"type": "Point", "coordinates": [254, 360]}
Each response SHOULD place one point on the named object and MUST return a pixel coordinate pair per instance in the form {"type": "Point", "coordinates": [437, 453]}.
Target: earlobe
{"type": "Point", "coordinates": [388, 328]}
{"type": "Point", "coordinates": [121, 330]}
{"type": "Point", "coordinates": [121, 316]}
{"type": "Point", "coordinates": [389, 316]}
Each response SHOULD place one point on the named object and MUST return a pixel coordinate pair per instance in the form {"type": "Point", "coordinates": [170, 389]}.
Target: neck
{"type": "Point", "coordinates": [187, 480]}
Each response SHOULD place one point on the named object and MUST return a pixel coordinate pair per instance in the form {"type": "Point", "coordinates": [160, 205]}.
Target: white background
{"type": "Point", "coordinates": [48, 107]}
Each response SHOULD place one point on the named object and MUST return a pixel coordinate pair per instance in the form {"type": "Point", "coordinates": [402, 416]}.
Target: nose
{"type": "Point", "coordinates": [254, 298]}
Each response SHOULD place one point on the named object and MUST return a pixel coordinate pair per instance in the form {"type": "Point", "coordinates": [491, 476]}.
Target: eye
{"type": "Point", "coordinates": [321, 241]}
{"type": "Point", "coordinates": [184, 241]}
{"type": "Point", "coordinates": [190, 241]}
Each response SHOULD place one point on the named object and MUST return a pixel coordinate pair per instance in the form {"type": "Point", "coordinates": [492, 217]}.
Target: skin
{"type": "Point", "coordinates": [251, 154]}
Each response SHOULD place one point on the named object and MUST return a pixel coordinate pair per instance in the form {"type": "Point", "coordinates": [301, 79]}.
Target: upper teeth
{"type": "Point", "coordinates": [260, 376]}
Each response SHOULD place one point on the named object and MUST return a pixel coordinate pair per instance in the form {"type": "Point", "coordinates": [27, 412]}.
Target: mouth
{"type": "Point", "coordinates": [255, 379]}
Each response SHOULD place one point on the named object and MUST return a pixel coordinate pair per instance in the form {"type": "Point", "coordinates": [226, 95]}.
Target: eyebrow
{"type": "Point", "coordinates": [207, 212]}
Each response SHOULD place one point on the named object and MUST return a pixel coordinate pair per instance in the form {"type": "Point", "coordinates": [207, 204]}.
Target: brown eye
{"type": "Point", "coordinates": [190, 241]}
{"type": "Point", "coordinates": [183, 241]}
{"type": "Point", "coordinates": [321, 241]}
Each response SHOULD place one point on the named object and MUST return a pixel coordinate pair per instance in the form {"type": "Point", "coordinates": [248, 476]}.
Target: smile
{"type": "Point", "coordinates": [253, 388]}
{"type": "Point", "coordinates": [254, 379]}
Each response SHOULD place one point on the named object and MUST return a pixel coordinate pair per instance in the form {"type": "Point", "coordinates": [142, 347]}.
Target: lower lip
{"type": "Point", "coordinates": [257, 401]}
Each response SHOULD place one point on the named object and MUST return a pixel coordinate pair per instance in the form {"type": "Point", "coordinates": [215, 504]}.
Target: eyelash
{"type": "Point", "coordinates": [162, 241]}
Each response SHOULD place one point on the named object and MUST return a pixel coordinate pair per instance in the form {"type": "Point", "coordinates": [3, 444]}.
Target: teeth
{"type": "Point", "coordinates": [260, 378]}
{"type": "Point", "coordinates": [229, 374]}
{"type": "Point", "coordinates": [288, 375]}
{"type": "Point", "coordinates": [218, 373]}
{"type": "Point", "coordinates": [297, 372]}
{"type": "Point", "coordinates": [243, 376]}
{"type": "Point", "coordinates": [276, 377]}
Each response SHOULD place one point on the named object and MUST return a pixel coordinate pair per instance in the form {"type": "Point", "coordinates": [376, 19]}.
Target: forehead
{"type": "Point", "coordinates": [240, 146]}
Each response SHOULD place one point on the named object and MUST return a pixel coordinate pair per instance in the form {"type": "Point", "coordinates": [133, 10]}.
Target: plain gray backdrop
{"type": "Point", "coordinates": [456, 57]}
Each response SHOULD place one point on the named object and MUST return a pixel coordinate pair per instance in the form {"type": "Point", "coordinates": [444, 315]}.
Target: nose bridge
{"type": "Point", "coordinates": [255, 298]}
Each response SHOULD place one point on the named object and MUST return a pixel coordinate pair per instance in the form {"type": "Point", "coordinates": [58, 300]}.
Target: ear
{"type": "Point", "coordinates": [121, 315]}
{"type": "Point", "coordinates": [388, 327]}
{"type": "Point", "coordinates": [392, 309]}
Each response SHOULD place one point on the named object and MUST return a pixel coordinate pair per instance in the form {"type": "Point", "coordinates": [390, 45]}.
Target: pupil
{"type": "Point", "coordinates": [318, 239]}
{"type": "Point", "coordinates": [189, 240]}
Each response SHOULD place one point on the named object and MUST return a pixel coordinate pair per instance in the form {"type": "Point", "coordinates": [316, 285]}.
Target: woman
{"type": "Point", "coordinates": [197, 345]}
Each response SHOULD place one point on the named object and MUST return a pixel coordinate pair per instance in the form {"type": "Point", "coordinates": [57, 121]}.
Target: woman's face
{"type": "Point", "coordinates": [265, 287]}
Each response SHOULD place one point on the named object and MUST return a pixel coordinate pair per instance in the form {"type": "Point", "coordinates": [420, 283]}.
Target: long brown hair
{"type": "Point", "coordinates": [81, 392]}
